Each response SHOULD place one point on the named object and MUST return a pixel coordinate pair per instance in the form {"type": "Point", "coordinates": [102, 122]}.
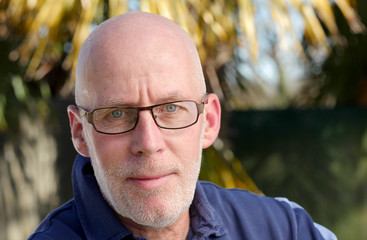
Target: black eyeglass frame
{"type": "Point", "coordinates": [89, 115]}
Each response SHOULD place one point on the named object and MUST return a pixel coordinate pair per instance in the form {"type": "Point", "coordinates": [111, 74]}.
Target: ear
{"type": "Point", "coordinates": [212, 124]}
{"type": "Point", "coordinates": [76, 127]}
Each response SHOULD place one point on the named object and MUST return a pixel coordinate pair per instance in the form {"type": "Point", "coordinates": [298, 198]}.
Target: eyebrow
{"type": "Point", "coordinates": [170, 97]}
{"type": "Point", "coordinates": [113, 102]}
{"type": "Point", "coordinates": [173, 96]}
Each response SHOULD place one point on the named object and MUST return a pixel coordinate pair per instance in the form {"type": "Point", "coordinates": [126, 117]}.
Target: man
{"type": "Point", "coordinates": [141, 121]}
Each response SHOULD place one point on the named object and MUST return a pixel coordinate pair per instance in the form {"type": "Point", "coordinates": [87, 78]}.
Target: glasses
{"type": "Point", "coordinates": [170, 115]}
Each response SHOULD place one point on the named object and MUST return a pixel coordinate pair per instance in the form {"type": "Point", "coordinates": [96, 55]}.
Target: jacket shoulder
{"type": "Point", "coordinates": [250, 214]}
{"type": "Point", "coordinates": [61, 223]}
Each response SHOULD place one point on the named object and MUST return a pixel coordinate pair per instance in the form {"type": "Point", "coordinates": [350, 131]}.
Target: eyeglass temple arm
{"type": "Point", "coordinates": [84, 112]}
{"type": "Point", "coordinates": [202, 104]}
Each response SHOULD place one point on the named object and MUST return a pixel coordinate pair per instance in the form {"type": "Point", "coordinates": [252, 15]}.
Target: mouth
{"type": "Point", "coordinates": [150, 182]}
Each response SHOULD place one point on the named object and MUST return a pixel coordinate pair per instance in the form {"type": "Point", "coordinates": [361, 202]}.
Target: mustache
{"type": "Point", "coordinates": [137, 168]}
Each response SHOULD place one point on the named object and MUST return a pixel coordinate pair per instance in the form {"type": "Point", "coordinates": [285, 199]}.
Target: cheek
{"type": "Point", "coordinates": [109, 148]}
{"type": "Point", "coordinates": [186, 144]}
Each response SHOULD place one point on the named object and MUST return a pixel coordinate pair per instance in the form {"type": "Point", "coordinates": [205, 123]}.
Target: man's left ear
{"type": "Point", "coordinates": [212, 124]}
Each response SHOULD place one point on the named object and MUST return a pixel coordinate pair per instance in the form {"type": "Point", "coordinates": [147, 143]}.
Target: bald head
{"type": "Point", "coordinates": [134, 49]}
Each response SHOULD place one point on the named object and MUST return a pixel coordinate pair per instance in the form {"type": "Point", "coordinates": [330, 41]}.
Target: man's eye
{"type": "Point", "coordinates": [117, 113]}
{"type": "Point", "coordinates": [171, 108]}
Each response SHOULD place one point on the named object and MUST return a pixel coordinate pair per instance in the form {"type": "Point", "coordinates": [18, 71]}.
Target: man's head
{"type": "Point", "coordinates": [148, 175]}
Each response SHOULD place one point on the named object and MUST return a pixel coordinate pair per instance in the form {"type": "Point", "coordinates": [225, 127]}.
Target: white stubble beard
{"type": "Point", "coordinates": [174, 202]}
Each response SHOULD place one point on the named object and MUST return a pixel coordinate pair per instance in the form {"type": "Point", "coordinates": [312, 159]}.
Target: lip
{"type": "Point", "coordinates": [150, 182]}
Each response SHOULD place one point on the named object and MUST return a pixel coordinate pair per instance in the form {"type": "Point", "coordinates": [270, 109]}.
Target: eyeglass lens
{"type": "Point", "coordinates": [172, 115]}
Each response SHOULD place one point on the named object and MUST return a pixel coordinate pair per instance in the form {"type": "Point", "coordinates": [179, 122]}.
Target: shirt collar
{"type": "Point", "coordinates": [204, 220]}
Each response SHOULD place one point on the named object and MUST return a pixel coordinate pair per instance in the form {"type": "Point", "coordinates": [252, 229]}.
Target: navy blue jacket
{"type": "Point", "coordinates": [216, 213]}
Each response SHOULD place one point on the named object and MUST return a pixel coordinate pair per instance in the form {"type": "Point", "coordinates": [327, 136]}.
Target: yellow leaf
{"type": "Point", "coordinates": [117, 7]}
{"type": "Point", "coordinates": [247, 23]}
{"type": "Point", "coordinates": [81, 33]}
{"type": "Point", "coordinates": [354, 22]}
{"type": "Point", "coordinates": [314, 27]}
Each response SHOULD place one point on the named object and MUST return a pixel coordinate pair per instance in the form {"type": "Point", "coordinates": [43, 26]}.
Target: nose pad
{"type": "Point", "coordinates": [137, 118]}
{"type": "Point", "coordinates": [155, 117]}
{"type": "Point", "coordinates": [143, 117]}
{"type": "Point", "coordinates": [150, 112]}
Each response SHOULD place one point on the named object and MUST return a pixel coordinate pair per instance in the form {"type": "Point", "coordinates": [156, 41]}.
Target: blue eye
{"type": "Point", "coordinates": [117, 113]}
{"type": "Point", "coordinates": [171, 108]}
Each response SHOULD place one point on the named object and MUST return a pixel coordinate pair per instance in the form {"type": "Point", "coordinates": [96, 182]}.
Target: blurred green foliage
{"type": "Point", "coordinates": [341, 80]}
{"type": "Point", "coordinates": [317, 158]}
{"type": "Point", "coordinates": [18, 95]}
{"type": "Point", "coordinates": [219, 165]}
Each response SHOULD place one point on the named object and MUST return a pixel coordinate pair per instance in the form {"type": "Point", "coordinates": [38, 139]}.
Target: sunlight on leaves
{"type": "Point", "coordinates": [210, 23]}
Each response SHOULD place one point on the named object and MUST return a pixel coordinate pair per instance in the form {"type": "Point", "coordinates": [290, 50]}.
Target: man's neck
{"type": "Point", "coordinates": [178, 230]}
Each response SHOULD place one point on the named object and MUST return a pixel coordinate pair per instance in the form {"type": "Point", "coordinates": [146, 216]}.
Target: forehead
{"type": "Point", "coordinates": [142, 90]}
{"type": "Point", "coordinates": [135, 68]}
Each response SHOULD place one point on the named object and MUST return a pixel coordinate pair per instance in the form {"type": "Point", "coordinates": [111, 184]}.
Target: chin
{"type": "Point", "coordinates": [155, 209]}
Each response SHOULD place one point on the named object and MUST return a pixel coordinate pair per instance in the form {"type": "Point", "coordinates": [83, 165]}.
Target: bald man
{"type": "Point", "coordinates": [141, 120]}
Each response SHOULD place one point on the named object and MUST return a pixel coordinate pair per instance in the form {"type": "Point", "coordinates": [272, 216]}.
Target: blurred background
{"type": "Point", "coordinates": [291, 76]}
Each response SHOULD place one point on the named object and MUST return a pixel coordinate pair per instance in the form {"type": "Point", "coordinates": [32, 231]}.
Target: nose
{"type": "Point", "coordinates": [148, 137]}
